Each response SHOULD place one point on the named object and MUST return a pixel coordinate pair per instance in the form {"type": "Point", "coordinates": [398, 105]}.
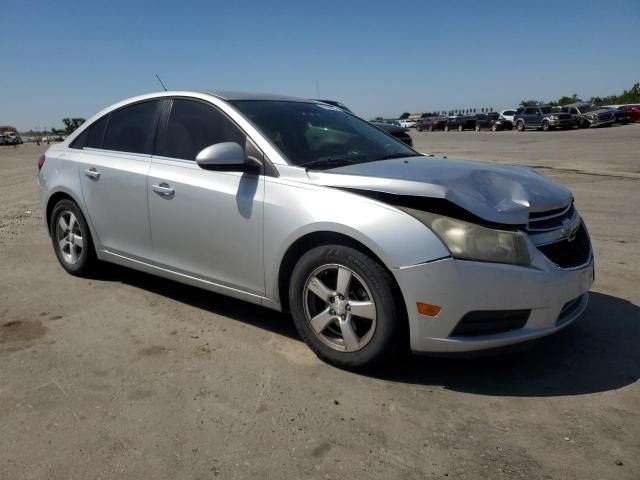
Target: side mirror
{"type": "Point", "coordinates": [225, 156]}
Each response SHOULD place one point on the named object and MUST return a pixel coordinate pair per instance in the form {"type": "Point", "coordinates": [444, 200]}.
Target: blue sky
{"type": "Point", "coordinates": [72, 58]}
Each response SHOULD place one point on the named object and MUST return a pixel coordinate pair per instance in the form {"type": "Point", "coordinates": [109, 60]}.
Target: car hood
{"type": "Point", "coordinates": [600, 111]}
{"type": "Point", "coordinates": [496, 193]}
{"type": "Point", "coordinates": [390, 128]}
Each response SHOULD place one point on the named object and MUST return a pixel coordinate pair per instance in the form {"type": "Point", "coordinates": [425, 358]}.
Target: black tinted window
{"type": "Point", "coordinates": [530, 111]}
{"type": "Point", "coordinates": [193, 126]}
{"type": "Point", "coordinates": [96, 133]}
{"type": "Point", "coordinates": [81, 140]}
{"type": "Point", "coordinates": [130, 129]}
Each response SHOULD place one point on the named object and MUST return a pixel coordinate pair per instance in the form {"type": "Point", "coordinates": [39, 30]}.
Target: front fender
{"type": "Point", "coordinates": [293, 210]}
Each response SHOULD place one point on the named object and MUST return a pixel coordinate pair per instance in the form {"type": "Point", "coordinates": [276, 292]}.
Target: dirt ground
{"type": "Point", "coordinates": [129, 376]}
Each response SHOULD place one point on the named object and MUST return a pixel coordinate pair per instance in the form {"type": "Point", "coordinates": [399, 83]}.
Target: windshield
{"type": "Point", "coordinates": [313, 133]}
{"type": "Point", "coordinates": [588, 108]}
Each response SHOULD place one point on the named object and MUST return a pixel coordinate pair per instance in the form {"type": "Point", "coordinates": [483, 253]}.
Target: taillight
{"type": "Point", "coordinates": [41, 160]}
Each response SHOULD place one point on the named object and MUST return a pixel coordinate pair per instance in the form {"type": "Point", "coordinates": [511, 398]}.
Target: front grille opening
{"type": "Point", "coordinates": [569, 254]}
{"type": "Point", "coordinates": [490, 322]}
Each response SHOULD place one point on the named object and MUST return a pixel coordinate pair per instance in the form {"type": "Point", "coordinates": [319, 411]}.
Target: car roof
{"type": "Point", "coordinates": [231, 95]}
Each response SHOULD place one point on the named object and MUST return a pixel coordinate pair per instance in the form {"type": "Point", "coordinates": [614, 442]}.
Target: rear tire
{"type": "Point", "coordinates": [71, 239]}
{"type": "Point", "coordinates": [477, 129]}
{"type": "Point", "coordinates": [460, 128]}
{"type": "Point", "coordinates": [494, 128]}
{"type": "Point", "coordinates": [446, 128]}
{"type": "Point", "coordinates": [343, 307]}
{"type": "Point", "coordinates": [431, 128]}
{"type": "Point", "coordinates": [520, 126]}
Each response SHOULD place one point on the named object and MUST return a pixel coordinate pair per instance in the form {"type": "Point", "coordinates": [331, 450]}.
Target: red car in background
{"type": "Point", "coordinates": [633, 110]}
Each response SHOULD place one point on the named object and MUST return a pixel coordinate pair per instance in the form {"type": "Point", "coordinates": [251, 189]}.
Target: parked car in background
{"type": "Point", "coordinates": [373, 247]}
{"type": "Point", "coordinates": [589, 115]}
{"type": "Point", "coordinates": [622, 117]}
{"type": "Point", "coordinates": [543, 117]}
{"type": "Point", "coordinates": [492, 121]}
{"type": "Point", "coordinates": [406, 123]}
{"type": "Point", "coordinates": [394, 129]}
{"type": "Point", "coordinates": [431, 124]}
{"type": "Point", "coordinates": [508, 115]}
{"type": "Point", "coordinates": [632, 110]}
{"type": "Point", "coordinates": [460, 123]}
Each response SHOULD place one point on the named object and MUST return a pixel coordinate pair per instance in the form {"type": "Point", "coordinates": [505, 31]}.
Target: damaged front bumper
{"type": "Point", "coordinates": [502, 304]}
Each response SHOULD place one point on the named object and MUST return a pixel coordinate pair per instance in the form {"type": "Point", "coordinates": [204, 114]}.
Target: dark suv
{"type": "Point", "coordinates": [492, 121]}
{"type": "Point", "coordinates": [460, 123]}
{"type": "Point", "coordinates": [543, 117]}
{"type": "Point", "coordinates": [431, 123]}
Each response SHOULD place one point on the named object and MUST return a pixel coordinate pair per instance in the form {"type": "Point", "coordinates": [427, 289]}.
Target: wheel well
{"type": "Point", "coordinates": [55, 198]}
{"type": "Point", "coordinates": [315, 239]}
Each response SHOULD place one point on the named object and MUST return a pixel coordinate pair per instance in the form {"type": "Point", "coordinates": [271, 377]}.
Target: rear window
{"type": "Point", "coordinates": [96, 133]}
{"type": "Point", "coordinates": [130, 129]}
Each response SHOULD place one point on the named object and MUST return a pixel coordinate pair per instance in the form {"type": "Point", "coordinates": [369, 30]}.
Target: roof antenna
{"type": "Point", "coordinates": [158, 77]}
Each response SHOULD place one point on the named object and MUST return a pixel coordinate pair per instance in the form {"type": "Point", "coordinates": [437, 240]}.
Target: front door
{"type": "Point", "coordinates": [204, 223]}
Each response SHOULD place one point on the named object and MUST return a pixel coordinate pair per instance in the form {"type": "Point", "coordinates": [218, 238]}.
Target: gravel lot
{"type": "Point", "coordinates": [128, 376]}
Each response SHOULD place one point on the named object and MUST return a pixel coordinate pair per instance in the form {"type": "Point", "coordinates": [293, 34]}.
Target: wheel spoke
{"type": "Point", "coordinates": [78, 241]}
{"type": "Point", "coordinates": [364, 309]}
{"type": "Point", "coordinates": [319, 288]}
{"type": "Point", "coordinates": [62, 223]}
{"type": "Point", "coordinates": [72, 222]}
{"type": "Point", "coordinates": [349, 336]}
{"type": "Point", "coordinates": [344, 280]}
{"type": "Point", "coordinates": [62, 243]}
{"type": "Point", "coordinates": [322, 320]}
{"type": "Point", "coordinates": [73, 253]}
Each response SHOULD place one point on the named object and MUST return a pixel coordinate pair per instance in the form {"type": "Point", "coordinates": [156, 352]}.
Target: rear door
{"type": "Point", "coordinates": [114, 163]}
{"type": "Point", "coordinates": [205, 223]}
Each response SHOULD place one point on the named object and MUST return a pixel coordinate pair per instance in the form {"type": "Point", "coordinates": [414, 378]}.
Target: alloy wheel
{"type": "Point", "coordinates": [69, 237]}
{"type": "Point", "coordinates": [339, 308]}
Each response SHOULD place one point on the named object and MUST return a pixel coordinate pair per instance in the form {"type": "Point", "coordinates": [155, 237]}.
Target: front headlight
{"type": "Point", "coordinates": [553, 117]}
{"type": "Point", "coordinates": [469, 241]}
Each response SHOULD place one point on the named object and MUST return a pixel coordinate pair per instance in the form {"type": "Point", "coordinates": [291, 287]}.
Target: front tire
{"type": "Point", "coordinates": [446, 128]}
{"type": "Point", "coordinates": [71, 238]}
{"type": "Point", "coordinates": [477, 129]}
{"type": "Point", "coordinates": [460, 128]}
{"type": "Point", "coordinates": [343, 307]}
{"type": "Point", "coordinates": [545, 126]}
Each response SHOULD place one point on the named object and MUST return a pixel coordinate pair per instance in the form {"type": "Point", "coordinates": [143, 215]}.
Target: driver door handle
{"type": "Point", "coordinates": [163, 189]}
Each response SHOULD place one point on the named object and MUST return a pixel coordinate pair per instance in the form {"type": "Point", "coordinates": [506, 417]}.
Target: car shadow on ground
{"type": "Point", "coordinates": [598, 353]}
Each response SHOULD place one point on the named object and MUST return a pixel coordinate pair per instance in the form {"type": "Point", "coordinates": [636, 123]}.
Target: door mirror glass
{"type": "Point", "coordinates": [228, 156]}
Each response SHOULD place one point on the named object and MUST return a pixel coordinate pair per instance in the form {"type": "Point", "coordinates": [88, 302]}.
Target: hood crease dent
{"type": "Point", "coordinates": [503, 194]}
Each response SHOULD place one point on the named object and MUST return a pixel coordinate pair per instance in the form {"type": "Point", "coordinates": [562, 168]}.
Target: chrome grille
{"type": "Point", "coordinates": [551, 220]}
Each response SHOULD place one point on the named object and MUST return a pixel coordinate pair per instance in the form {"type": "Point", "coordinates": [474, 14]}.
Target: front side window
{"type": "Point", "coordinates": [193, 126]}
{"type": "Point", "coordinates": [309, 133]}
{"type": "Point", "coordinates": [131, 129]}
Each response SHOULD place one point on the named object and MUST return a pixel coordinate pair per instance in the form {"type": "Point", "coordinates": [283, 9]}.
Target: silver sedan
{"type": "Point", "coordinates": [300, 206]}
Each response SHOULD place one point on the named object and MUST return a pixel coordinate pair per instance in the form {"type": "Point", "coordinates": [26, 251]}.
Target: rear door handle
{"type": "Point", "coordinates": [163, 189]}
{"type": "Point", "coordinates": [92, 173]}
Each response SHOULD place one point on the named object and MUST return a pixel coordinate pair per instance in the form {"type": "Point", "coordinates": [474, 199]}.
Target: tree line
{"type": "Point", "coordinates": [630, 96]}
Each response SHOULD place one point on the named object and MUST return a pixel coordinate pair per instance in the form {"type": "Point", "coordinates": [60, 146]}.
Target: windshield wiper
{"type": "Point", "coordinates": [333, 162]}
{"type": "Point", "coordinates": [398, 155]}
